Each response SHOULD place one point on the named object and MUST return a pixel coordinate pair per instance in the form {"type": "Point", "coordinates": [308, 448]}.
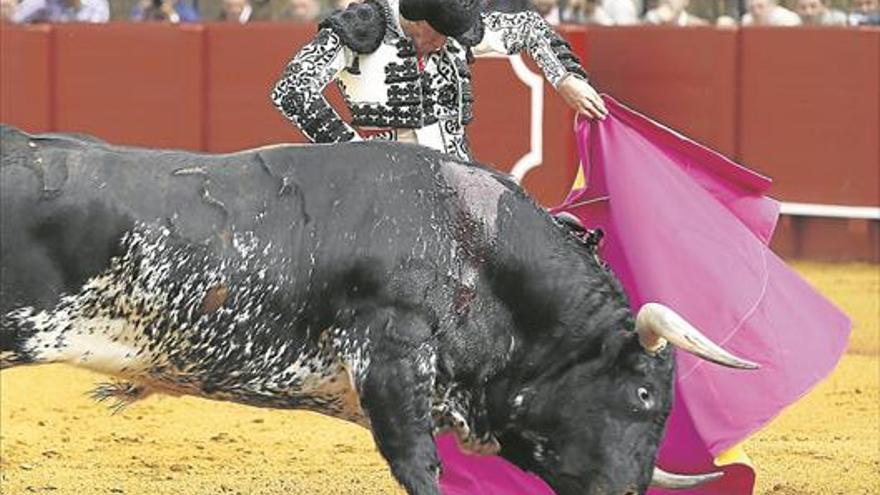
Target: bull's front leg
{"type": "Point", "coordinates": [396, 396]}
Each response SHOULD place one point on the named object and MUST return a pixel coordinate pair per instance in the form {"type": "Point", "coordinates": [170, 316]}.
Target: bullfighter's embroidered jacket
{"type": "Point", "coordinates": [388, 85]}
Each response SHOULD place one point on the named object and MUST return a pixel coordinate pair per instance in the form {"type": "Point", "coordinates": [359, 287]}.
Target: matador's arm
{"type": "Point", "coordinates": [512, 33]}
{"type": "Point", "coordinates": [299, 92]}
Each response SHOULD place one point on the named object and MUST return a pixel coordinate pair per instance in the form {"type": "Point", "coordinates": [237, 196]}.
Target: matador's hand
{"type": "Point", "coordinates": [582, 97]}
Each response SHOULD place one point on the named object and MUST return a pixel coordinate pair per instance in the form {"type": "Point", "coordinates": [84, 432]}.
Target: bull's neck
{"type": "Point", "coordinates": [570, 302]}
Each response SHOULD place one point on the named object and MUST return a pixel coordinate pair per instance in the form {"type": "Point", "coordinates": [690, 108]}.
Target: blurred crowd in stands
{"type": "Point", "coordinates": [725, 13]}
{"type": "Point", "coordinates": [171, 11]}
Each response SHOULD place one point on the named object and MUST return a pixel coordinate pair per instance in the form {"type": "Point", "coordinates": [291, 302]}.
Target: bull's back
{"type": "Point", "coordinates": [68, 201]}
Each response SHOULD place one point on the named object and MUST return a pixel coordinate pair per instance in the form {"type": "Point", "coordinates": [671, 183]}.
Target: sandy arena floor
{"type": "Point", "coordinates": [55, 440]}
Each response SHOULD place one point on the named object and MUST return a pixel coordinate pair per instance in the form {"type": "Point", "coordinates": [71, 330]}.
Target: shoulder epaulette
{"type": "Point", "coordinates": [361, 26]}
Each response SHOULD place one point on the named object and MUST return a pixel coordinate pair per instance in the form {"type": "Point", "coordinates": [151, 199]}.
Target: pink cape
{"type": "Point", "coordinates": [687, 227]}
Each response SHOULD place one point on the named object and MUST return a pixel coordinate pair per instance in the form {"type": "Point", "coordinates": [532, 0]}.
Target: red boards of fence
{"type": "Point", "coordinates": [800, 105]}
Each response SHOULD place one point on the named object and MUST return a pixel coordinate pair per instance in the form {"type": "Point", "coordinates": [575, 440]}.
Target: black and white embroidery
{"type": "Point", "coordinates": [527, 31]}
{"type": "Point", "coordinates": [455, 140]}
{"type": "Point", "coordinates": [512, 28]}
{"type": "Point", "coordinates": [376, 115]}
{"type": "Point", "coordinates": [451, 83]}
{"type": "Point", "coordinates": [298, 94]}
{"type": "Point", "coordinates": [391, 87]}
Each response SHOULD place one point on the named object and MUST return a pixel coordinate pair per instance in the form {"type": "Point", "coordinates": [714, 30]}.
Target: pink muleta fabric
{"type": "Point", "coordinates": [687, 227]}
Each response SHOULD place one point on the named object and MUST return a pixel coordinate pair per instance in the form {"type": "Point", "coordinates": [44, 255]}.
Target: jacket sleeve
{"type": "Point", "coordinates": [299, 92]}
{"type": "Point", "coordinates": [512, 33]}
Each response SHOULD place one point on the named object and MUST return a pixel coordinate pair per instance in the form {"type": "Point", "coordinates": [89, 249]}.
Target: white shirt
{"type": "Point", "coordinates": [623, 12]}
{"type": "Point", "coordinates": [245, 15]}
{"type": "Point", "coordinates": [552, 17]}
{"type": "Point", "coordinates": [656, 16]}
{"type": "Point", "coordinates": [779, 16]}
{"type": "Point", "coordinates": [57, 11]}
{"type": "Point", "coordinates": [599, 17]}
{"type": "Point", "coordinates": [831, 17]}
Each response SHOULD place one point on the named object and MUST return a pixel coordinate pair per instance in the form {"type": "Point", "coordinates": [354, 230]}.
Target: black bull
{"type": "Point", "coordinates": [385, 284]}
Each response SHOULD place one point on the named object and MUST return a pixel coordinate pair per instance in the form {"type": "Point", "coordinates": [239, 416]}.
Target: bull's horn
{"type": "Point", "coordinates": [657, 323]}
{"type": "Point", "coordinates": [670, 481]}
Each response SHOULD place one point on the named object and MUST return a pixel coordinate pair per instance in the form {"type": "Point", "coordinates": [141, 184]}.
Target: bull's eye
{"type": "Point", "coordinates": [645, 396]}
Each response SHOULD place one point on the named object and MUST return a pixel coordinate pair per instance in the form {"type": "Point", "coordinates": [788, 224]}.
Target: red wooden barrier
{"type": "Point", "coordinates": [827, 239]}
{"type": "Point", "coordinates": [499, 120]}
{"type": "Point", "coordinates": [500, 134]}
{"type": "Point", "coordinates": [138, 84]}
{"type": "Point", "coordinates": [810, 112]}
{"type": "Point", "coordinates": [25, 77]}
{"type": "Point", "coordinates": [242, 67]}
{"type": "Point", "coordinates": [685, 78]}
